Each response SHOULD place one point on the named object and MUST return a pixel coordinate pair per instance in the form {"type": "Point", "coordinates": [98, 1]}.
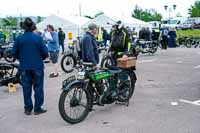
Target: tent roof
{"type": "Point", "coordinates": [130, 21]}
{"type": "Point", "coordinates": [63, 22]}
{"type": "Point", "coordinates": [101, 21]}
{"type": "Point", "coordinates": [54, 20]}
{"type": "Point", "coordinates": [78, 20]}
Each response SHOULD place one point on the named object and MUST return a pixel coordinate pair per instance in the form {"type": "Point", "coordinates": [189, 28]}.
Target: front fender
{"type": "Point", "coordinates": [68, 84]}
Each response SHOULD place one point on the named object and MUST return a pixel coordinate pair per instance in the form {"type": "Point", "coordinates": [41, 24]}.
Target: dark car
{"type": "Point", "coordinates": [196, 26]}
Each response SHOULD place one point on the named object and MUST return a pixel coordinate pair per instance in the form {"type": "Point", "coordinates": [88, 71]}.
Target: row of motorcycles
{"type": "Point", "coordinates": [189, 42]}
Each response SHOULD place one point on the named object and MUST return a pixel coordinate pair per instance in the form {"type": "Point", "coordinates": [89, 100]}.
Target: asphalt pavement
{"type": "Point", "coordinates": [166, 100]}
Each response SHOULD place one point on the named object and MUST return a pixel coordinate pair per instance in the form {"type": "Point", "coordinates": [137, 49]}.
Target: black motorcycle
{"type": "Point", "coordinates": [94, 86]}
{"type": "Point", "coordinates": [145, 47]}
{"type": "Point", "coordinates": [6, 52]}
{"type": "Point", "coordinates": [70, 59]}
{"type": "Point", "coordinates": [9, 73]}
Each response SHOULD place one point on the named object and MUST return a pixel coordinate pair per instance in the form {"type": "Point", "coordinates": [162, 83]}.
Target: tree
{"type": "Point", "coordinates": [39, 19]}
{"type": "Point", "coordinates": [194, 10]}
{"type": "Point", "coordinates": [146, 15]}
{"type": "Point", "coordinates": [9, 22]}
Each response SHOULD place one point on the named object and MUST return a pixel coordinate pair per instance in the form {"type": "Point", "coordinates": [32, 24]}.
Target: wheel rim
{"type": "Point", "coordinates": [68, 63]}
{"type": "Point", "coordinates": [75, 103]}
{"type": "Point", "coordinates": [126, 87]}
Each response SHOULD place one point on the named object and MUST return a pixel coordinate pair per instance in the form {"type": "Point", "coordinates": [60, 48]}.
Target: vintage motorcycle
{"type": "Point", "coordinates": [5, 52]}
{"type": "Point", "coordinates": [94, 86]}
{"type": "Point", "coordinates": [9, 73]}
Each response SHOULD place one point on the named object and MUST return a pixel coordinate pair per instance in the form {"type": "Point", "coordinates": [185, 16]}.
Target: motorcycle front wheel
{"type": "Point", "coordinates": [74, 104]}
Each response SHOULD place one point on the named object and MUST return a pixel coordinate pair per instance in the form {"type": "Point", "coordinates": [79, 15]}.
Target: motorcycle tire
{"type": "Point", "coordinates": [132, 80]}
{"type": "Point", "coordinates": [65, 63]}
{"type": "Point", "coordinates": [62, 101]}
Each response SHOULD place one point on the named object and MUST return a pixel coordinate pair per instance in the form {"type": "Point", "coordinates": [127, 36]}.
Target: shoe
{"type": "Point", "coordinates": [41, 111]}
{"type": "Point", "coordinates": [27, 112]}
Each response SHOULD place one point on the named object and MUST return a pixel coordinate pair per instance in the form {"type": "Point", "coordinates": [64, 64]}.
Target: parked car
{"type": "Point", "coordinates": [191, 23]}
{"type": "Point", "coordinates": [196, 26]}
{"type": "Point", "coordinates": [174, 22]}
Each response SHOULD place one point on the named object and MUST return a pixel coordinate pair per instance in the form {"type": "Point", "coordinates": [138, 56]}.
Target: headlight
{"type": "Point", "coordinates": [81, 75]}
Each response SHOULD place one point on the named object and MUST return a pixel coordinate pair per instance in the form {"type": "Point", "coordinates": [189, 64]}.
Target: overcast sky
{"type": "Point", "coordinates": [89, 7]}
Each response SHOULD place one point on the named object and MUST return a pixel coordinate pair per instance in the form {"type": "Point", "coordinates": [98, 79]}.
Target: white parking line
{"type": "Point", "coordinates": [145, 61]}
{"type": "Point", "coordinates": [197, 102]}
{"type": "Point", "coordinates": [179, 62]}
{"type": "Point", "coordinates": [197, 67]}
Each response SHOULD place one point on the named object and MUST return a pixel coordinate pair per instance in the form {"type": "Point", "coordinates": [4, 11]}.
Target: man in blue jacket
{"type": "Point", "coordinates": [89, 46]}
{"type": "Point", "coordinates": [30, 49]}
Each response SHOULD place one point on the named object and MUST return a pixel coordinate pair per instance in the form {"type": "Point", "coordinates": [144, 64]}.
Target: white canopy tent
{"type": "Point", "coordinates": [67, 23]}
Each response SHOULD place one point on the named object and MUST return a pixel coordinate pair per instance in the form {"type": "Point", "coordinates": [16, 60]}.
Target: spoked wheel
{"type": "Point", "coordinates": [106, 61]}
{"type": "Point", "coordinates": [127, 86]}
{"type": "Point", "coordinates": [68, 63]}
{"type": "Point", "coordinates": [153, 47]}
{"type": "Point", "coordinates": [74, 104]}
{"type": "Point", "coordinates": [8, 56]}
{"type": "Point", "coordinates": [188, 44]}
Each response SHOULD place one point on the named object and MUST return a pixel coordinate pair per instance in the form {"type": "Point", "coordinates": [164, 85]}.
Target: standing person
{"type": "Point", "coordinates": [89, 45]}
{"type": "Point", "coordinates": [172, 38]}
{"type": "Point", "coordinates": [164, 38]}
{"type": "Point", "coordinates": [105, 37]}
{"type": "Point", "coordinates": [53, 47]}
{"type": "Point", "coordinates": [61, 37]}
{"type": "Point", "coordinates": [30, 49]}
{"type": "Point", "coordinates": [121, 42]}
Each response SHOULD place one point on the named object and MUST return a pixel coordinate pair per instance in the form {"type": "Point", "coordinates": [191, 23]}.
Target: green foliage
{"type": "Point", "coordinates": [146, 15]}
{"type": "Point", "coordinates": [194, 10]}
{"type": "Point", "coordinates": [9, 22]}
{"type": "Point", "coordinates": [188, 33]}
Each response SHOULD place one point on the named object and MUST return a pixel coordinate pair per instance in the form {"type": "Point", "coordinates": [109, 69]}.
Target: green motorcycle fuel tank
{"type": "Point", "coordinates": [99, 75]}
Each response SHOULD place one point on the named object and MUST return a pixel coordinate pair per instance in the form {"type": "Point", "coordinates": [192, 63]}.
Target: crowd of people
{"type": "Point", "coordinates": [166, 36]}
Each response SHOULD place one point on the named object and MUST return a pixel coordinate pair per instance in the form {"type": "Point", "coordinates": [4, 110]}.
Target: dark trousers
{"type": "Point", "coordinates": [172, 42]}
{"type": "Point", "coordinates": [62, 46]}
{"type": "Point", "coordinates": [164, 42]}
{"type": "Point", "coordinates": [104, 42]}
{"type": "Point", "coordinates": [33, 79]}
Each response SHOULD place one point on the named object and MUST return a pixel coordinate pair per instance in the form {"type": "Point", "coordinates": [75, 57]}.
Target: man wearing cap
{"type": "Point", "coordinates": [89, 45]}
{"type": "Point", "coordinates": [30, 49]}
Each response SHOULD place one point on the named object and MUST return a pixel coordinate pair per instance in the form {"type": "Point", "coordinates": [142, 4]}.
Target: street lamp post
{"type": "Point", "coordinates": [170, 9]}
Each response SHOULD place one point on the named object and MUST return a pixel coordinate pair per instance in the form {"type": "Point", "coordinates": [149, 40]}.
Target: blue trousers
{"type": "Point", "coordinates": [33, 79]}
{"type": "Point", "coordinates": [62, 46]}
